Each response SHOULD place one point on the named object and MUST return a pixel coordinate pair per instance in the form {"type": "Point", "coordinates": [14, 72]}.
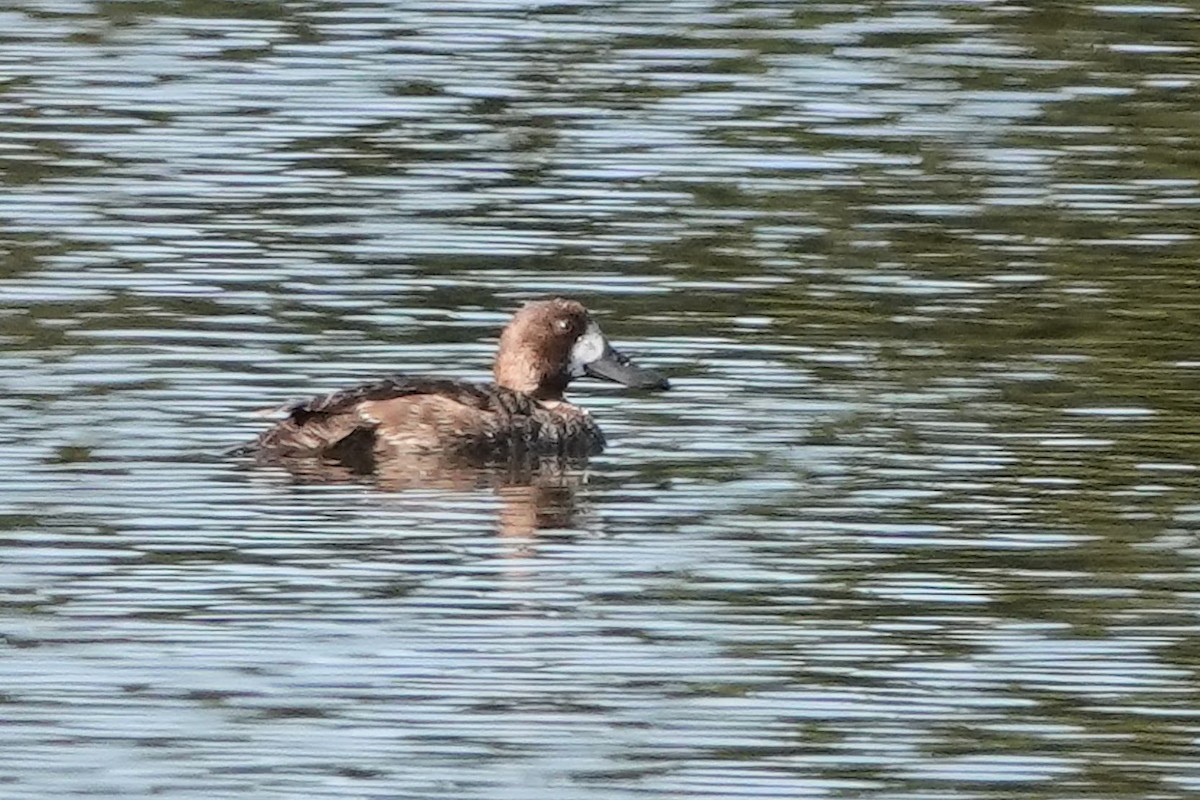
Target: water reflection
{"type": "Point", "coordinates": [533, 493]}
{"type": "Point", "coordinates": [919, 518]}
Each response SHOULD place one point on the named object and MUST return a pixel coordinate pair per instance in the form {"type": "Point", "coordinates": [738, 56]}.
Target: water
{"type": "Point", "coordinates": [918, 519]}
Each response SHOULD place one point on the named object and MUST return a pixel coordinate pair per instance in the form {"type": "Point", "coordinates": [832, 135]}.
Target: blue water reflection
{"type": "Point", "coordinates": [917, 520]}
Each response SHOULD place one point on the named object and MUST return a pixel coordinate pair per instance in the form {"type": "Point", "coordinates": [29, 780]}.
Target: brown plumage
{"type": "Point", "coordinates": [542, 349]}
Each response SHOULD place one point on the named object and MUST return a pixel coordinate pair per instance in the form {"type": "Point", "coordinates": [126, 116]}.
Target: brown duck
{"type": "Point", "coordinates": [524, 413]}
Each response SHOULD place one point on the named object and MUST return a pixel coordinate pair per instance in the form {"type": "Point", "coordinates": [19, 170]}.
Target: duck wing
{"type": "Point", "coordinates": [412, 413]}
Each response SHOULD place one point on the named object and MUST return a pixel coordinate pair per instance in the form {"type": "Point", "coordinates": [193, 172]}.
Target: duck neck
{"type": "Point", "coordinates": [520, 375]}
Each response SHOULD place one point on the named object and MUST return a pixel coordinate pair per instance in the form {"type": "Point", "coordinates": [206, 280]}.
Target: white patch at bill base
{"type": "Point", "coordinates": [588, 347]}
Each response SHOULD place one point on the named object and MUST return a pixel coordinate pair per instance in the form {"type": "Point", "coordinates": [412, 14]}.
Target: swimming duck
{"type": "Point", "coordinates": [545, 346]}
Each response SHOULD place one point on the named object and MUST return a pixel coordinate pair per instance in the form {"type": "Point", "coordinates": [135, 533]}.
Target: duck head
{"type": "Point", "coordinates": [549, 343]}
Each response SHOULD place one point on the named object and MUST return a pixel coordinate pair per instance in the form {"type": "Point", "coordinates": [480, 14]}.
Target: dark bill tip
{"type": "Point", "coordinates": [613, 366]}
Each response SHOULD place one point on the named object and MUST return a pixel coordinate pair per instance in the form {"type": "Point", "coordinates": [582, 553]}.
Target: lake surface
{"type": "Point", "coordinates": [918, 520]}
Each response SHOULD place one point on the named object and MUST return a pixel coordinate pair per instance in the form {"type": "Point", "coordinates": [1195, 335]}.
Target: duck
{"type": "Point", "coordinates": [546, 346]}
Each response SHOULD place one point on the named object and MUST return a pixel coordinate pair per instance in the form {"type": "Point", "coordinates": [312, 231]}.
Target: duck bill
{"type": "Point", "coordinates": [614, 366]}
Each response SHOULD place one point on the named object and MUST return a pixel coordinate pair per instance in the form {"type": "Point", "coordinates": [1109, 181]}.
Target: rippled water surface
{"type": "Point", "coordinates": [918, 520]}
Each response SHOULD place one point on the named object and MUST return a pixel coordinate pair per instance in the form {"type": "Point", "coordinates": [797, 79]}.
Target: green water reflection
{"type": "Point", "coordinates": [919, 519]}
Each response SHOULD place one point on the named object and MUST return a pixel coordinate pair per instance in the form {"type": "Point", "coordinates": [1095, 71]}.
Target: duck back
{"type": "Point", "coordinates": [415, 414]}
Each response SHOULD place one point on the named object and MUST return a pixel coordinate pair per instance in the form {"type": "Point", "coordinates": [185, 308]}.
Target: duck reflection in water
{"type": "Point", "coordinates": [534, 494]}
{"type": "Point", "coordinates": [412, 431]}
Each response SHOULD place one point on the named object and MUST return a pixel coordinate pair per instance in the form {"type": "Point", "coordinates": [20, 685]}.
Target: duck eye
{"type": "Point", "coordinates": [564, 324]}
